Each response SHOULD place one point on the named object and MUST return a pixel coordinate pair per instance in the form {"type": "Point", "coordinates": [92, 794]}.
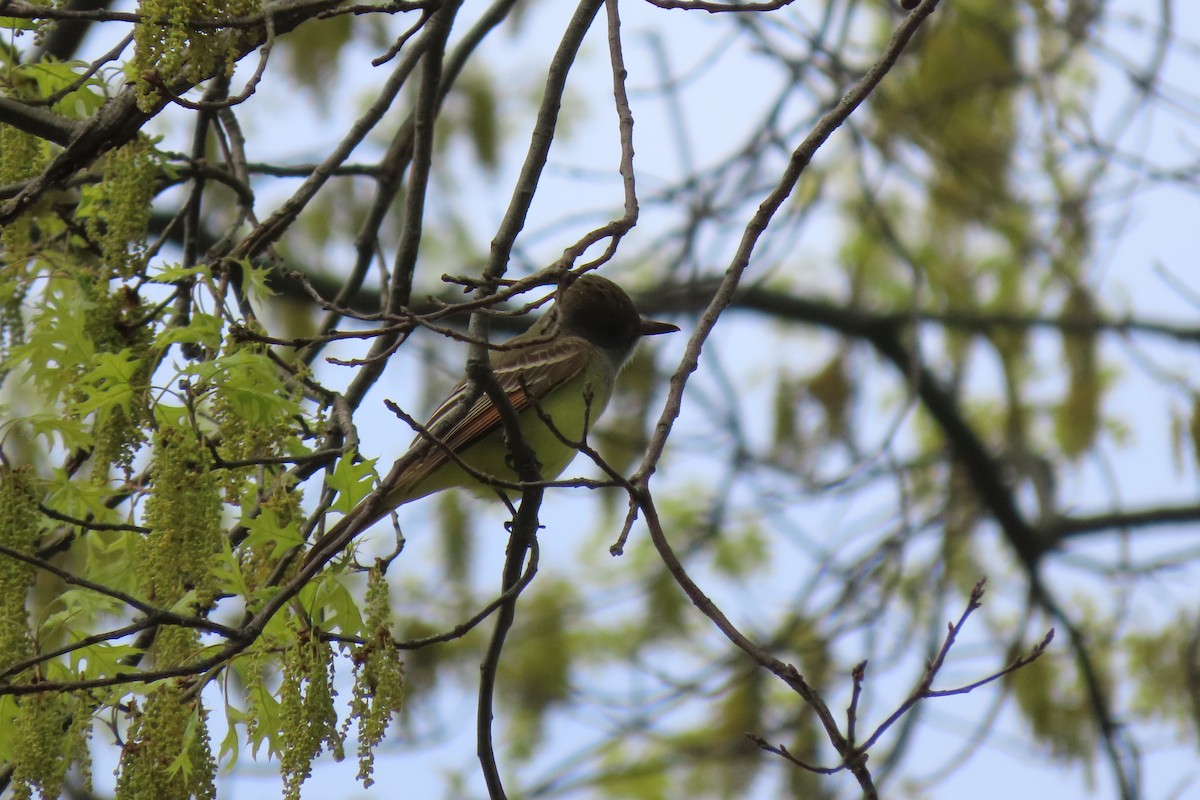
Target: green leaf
{"type": "Point", "coordinates": [173, 273]}
{"type": "Point", "coordinates": [194, 726]}
{"type": "Point", "coordinates": [265, 529]}
{"type": "Point", "coordinates": [202, 329]}
{"type": "Point", "coordinates": [8, 714]}
{"type": "Point", "coordinates": [102, 659]}
{"type": "Point", "coordinates": [70, 432]}
{"type": "Point", "coordinates": [169, 416]}
{"type": "Point", "coordinates": [17, 24]}
{"type": "Point", "coordinates": [255, 278]}
{"type": "Point", "coordinates": [52, 77]}
{"type": "Point", "coordinates": [269, 720]}
{"type": "Point", "coordinates": [338, 606]}
{"type": "Point", "coordinates": [227, 571]}
{"type": "Point", "coordinates": [352, 480]}
{"type": "Point", "coordinates": [231, 744]}
{"type": "Point", "coordinates": [109, 384]}
{"type": "Point", "coordinates": [58, 342]}
{"type": "Point", "coordinates": [250, 381]}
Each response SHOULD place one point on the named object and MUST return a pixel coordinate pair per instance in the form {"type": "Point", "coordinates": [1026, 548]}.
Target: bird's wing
{"type": "Point", "coordinates": [526, 375]}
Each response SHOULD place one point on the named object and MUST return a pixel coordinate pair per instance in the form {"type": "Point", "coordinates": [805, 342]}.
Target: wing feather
{"type": "Point", "coordinates": [526, 375]}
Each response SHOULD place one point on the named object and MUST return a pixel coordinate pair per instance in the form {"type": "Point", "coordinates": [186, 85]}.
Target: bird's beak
{"type": "Point", "coordinates": [652, 327]}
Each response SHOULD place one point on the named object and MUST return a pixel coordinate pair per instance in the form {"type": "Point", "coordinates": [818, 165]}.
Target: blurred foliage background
{"type": "Point", "coordinates": [963, 346]}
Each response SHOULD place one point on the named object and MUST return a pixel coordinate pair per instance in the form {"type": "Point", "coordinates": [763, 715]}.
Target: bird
{"type": "Point", "coordinates": [562, 369]}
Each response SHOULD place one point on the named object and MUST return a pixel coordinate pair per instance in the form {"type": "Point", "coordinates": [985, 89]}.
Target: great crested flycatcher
{"type": "Point", "coordinates": [562, 369]}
